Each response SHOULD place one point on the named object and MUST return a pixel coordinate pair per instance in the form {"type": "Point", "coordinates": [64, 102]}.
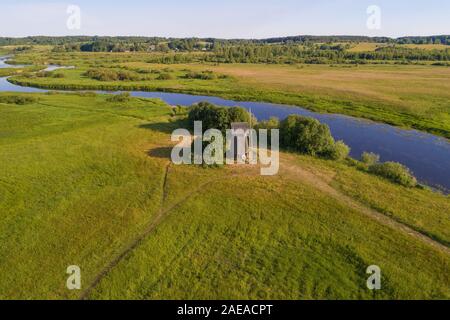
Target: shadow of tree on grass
{"type": "Point", "coordinates": [160, 152]}
{"type": "Point", "coordinates": [166, 127]}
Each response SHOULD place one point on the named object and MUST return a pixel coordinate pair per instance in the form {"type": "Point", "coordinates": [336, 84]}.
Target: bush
{"type": "Point", "coordinates": [122, 97]}
{"type": "Point", "coordinates": [102, 74]}
{"type": "Point", "coordinates": [44, 74]}
{"type": "Point", "coordinates": [49, 74]}
{"type": "Point", "coordinates": [339, 151]}
{"type": "Point", "coordinates": [370, 158]}
{"type": "Point", "coordinates": [306, 135]}
{"type": "Point", "coordinates": [90, 94]}
{"type": "Point", "coordinates": [144, 71]}
{"type": "Point", "coordinates": [164, 76]}
{"type": "Point", "coordinates": [395, 172]}
{"type": "Point", "coordinates": [28, 75]}
{"type": "Point", "coordinates": [179, 111]}
{"type": "Point", "coordinates": [205, 75]}
{"type": "Point", "coordinates": [20, 100]}
{"type": "Point", "coordinates": [125, 75]}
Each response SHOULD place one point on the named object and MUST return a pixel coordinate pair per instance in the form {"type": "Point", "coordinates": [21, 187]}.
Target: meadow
{"type": "Point", "coordinates": [89, 182]}
{"type": "Point", "coordinates": [372, 46]}
{"type": "Point", "coordinates": [410, 96]}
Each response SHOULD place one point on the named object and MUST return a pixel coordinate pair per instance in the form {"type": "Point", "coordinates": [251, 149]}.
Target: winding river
{"type": "Point", "coordinates": [427, 156]}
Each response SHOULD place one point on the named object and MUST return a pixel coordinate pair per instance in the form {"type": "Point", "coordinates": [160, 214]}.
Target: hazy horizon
{"type": "Point", "coordinates": [230, 19]}
{"type": "Point", "coordinates": [194, 37]}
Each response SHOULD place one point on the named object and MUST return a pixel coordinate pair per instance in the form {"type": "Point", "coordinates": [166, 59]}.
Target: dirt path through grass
{"type": "Point", "coordinates": [295, 171]}
{"type": "Point", "coordinates": [156, 221]}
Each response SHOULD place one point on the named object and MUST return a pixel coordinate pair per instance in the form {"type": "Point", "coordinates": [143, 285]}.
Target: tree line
{"type": "Point", "coordinates": [320, 54]}
{"type": "Point", "coordinates": [288, 50]}
{"type": "Point", "coordinates": [191, 43]}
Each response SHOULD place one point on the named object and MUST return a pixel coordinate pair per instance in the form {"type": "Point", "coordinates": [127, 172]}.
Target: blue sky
{"type": "Point", "coordinates": [225, 18]}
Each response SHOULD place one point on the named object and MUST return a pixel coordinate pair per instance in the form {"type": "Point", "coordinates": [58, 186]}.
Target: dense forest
{"type": "Point", "coordinates": [317, 54]}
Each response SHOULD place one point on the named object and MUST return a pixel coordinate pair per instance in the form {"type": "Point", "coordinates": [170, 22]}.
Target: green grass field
{"type": "Point", "coordinates": [88, 182]}
{"type": "Point", "coordinates": [411, 96]}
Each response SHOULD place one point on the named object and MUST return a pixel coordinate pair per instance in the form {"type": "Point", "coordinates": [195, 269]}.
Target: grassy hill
{"type": "Point", "coordinates": [88, 182]}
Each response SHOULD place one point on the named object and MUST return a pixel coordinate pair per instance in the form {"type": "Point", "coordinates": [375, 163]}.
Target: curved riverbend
{"type": "Point", "coordinates": [4, 64]}
{"type": "Point", "coordinates": [428, 156]}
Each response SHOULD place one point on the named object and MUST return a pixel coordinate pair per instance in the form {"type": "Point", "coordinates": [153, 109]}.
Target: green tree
{"type": "Point", "coordinates": [339, 151]}
{"type": "Point", "coordinates": [306, 135]}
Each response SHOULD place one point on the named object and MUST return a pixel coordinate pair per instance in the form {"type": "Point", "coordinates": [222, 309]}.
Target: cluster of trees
{"type": "Point", "coordinates": [171, 58]}
{"type": "Point", "coordinates": [308, 136]}
{"type": "Point", "coordinates": [56, 41]}
{"type": "Point", "coordinates": [257, 53]}
{"type": "Point", "coordinates": [274, 53]}
{"type": "Point", "coordinates": [325, 39]}
{"type": "Point", "coordinates": [135, 45]}
{"type": "Point", "coordinates": [121, 97]}
{"type": "Point", "coordinates": [108, 46]}
{"type": "Point", "coordinates": [444, 39]}
{"type": "Point", "coordinates": [214, 117]}
{"type": "Point", "coordinates": [325, 53]}
{"type": "Point", "coordinates": [302, 135]}
{"type": "Point", "coordinates": [191, 44]}
{"type": "Point", "coordinates": [401, 53]}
